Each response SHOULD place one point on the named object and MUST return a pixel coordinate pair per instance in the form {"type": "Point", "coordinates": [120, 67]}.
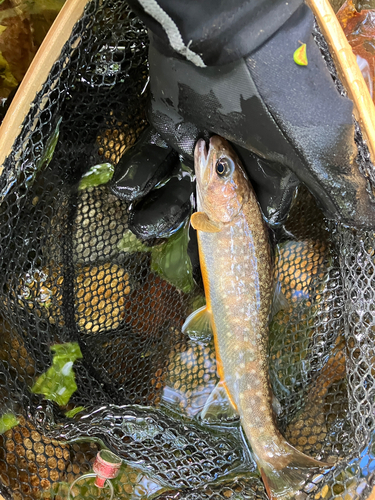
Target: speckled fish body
{"type": "Point", "coordinates": [236, 266]}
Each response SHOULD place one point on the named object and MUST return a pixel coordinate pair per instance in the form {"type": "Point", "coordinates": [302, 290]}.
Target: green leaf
{"type": "Point", "coordinates": [74, 411]}
{"type": "Point", "coordinates": [31, 7]}
{"type": "Point", "coordinates": [30, 170]}
{"type": "Point", "coordinates": [131, 244]}
{"type": "Point", "coordinates": [50, 147]}
{"type": "Point", "coordinates": [300, 56]}
{"type": "Point", "coordinates": [7, 421]}
{"type": "Point", "coordinates": [38, 6]}
{"type": "Point", "coordinates": [97, 175]}
{"type": "Point", "coordinates": [198, 301]}
{"type": "Point", "coordinates": [47, 155]}
{"type": "Point", "coordinates": [171, 260]}
{"type": "Point", "coordinates": [58, 383]}
{"type": "Point", "coordinates": [7, 79]}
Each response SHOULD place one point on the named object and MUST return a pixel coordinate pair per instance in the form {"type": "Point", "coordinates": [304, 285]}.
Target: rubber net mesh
{"type": "Point", "coordinates": [91, 326]}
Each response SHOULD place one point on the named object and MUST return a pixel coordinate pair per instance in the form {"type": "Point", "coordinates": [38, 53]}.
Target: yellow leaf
{"type": "Point", "coordinates": [300, 56]}
{"type": "Point", "coordinates": [7, 80]}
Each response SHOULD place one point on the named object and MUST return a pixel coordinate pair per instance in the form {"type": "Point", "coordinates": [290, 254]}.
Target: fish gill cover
{"type": "Point", "coordinates": [80, 293]}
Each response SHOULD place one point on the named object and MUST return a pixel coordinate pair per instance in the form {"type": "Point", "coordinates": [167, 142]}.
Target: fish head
{"type": "Point", "coordinates": [222, 186]}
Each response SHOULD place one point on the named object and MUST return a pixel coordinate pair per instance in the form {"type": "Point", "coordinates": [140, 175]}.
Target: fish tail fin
{"type": "Point", "coordinates": [284, 483]}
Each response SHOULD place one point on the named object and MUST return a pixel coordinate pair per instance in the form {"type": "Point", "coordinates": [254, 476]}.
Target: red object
{"type": "Point", "coordinates": [106, 466]}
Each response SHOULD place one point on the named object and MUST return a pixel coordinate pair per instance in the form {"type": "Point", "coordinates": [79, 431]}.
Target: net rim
{"type": "Point", "coordinates": [350, 74]}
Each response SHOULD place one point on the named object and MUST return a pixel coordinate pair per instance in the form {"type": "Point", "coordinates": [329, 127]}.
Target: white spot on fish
{"type": "Point", "coordinates": [242, 365]}
{"type": "Point", "coordinates": [250, 355]}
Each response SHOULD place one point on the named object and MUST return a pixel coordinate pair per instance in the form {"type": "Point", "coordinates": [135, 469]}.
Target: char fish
{"type": "Point", "coordinates": [236, 265]}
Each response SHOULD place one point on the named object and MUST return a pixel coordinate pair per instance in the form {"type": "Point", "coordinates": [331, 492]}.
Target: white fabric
{"type": "Point", "coordinates": [174, 36]}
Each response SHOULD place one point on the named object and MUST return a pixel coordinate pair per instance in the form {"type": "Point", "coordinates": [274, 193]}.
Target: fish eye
{"type": "Point", "coordinates": [224, 167]}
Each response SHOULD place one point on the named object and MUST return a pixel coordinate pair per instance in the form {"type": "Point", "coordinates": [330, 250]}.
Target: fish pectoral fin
{"type": "Point", "coordinates": [218, 406]}
{"type": "Point", "coordinates": [201, 222]}
{"type": "Point", "coordinates": [198, 326]}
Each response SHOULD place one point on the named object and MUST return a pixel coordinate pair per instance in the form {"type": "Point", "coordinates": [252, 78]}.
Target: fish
{"type": "Point", "coordinates": [236, 265]}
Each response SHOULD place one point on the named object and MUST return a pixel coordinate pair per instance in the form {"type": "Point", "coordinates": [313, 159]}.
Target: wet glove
{"type": "Point", "coordinates": [288, 123]}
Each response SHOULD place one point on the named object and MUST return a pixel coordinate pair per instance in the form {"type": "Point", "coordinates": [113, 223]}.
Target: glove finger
{"type": "Point", "coordinates": [143, 166]}
{"type": "Point", "coordinates": [163, 211]}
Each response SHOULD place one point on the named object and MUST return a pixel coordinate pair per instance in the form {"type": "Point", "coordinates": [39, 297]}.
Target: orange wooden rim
{"type": "Point", "coordinates": [37, 74]}
{"type": "Point", "coordinates": [372, 495]}
{"type": "Point", "coordinates": [348, 70]}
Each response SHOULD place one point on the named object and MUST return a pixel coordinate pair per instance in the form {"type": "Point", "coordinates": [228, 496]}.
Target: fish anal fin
{"type": "Point", "coordinates": [201, 222]}
{"type": "Point", "coordinates": [198, 326]}
{"type": "Point", "coordinates": [218, 406]}
{"type": "Point", "coordinates": [284, 483]}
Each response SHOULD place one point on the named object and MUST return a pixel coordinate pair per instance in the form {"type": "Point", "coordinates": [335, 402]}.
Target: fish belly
{"type": "Point", "coordinates": [236, 270]}
{"type": "Point", "coordinates": [238, 286]}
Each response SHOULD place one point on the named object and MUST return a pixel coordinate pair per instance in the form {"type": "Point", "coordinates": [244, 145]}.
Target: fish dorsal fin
{"type": "Point", "coordinates": [198, 326]}
{"type": "Point", "coordinates": [201, 222]}
{"type": "Point", "coordinates": [218, 406]}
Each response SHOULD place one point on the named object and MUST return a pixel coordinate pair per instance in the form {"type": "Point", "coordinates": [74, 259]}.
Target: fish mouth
{"type": "Point", "coordinates": [200, 158]}
{"type": "Point", "coordinates": [201, 151]}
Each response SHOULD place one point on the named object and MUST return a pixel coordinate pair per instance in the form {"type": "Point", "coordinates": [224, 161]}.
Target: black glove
{"type": "Point", "coordinates": [288, 123]}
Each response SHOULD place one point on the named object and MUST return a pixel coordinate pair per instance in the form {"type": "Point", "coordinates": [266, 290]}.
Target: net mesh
{"type": "Point", "coordinates": [91, 350]}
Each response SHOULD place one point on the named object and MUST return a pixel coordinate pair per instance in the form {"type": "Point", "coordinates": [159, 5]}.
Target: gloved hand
{"type": "Point", "coordinates": [288, 123]}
